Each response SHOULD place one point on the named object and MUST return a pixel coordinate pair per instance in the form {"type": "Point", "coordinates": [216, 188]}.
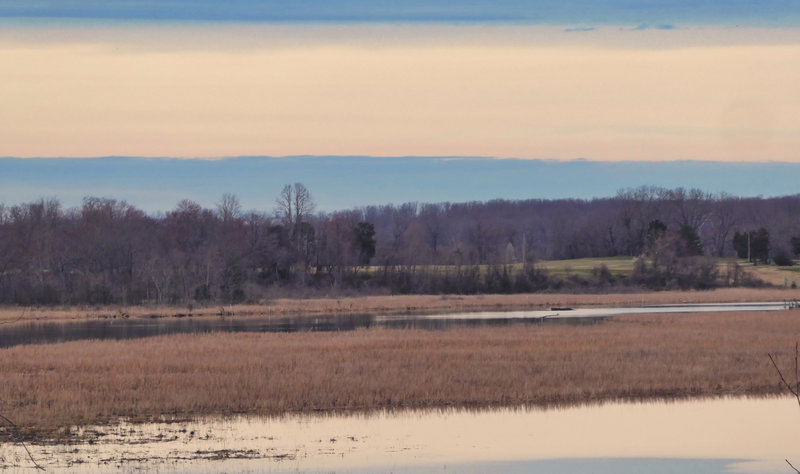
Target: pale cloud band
{"type": "Point", "coordinates": [533, 92]}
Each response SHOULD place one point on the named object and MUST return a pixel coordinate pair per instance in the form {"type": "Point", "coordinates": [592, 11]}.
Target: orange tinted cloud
{"type": "Point", "coordinates": [514, 93]}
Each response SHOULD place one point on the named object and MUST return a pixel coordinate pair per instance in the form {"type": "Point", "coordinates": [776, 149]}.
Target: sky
{"type": "Point", "coordinates": [771, 12]}
{"type": "Point", "coordinates": [346, 182]}
{"type": "Point", "coordinates": [607, 81]}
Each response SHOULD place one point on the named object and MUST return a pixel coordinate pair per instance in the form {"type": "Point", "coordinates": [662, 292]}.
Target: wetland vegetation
{"type": "Point", "coordinates": [49, 388]}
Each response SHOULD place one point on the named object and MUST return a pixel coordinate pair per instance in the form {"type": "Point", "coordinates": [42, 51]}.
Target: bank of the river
{"type": "Point", "coordinates": [395, 305]}
{"type": "Point", "coordinates": [48, 388]}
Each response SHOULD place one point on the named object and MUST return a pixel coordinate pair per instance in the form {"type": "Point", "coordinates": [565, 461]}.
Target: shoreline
{"type": "Point", "coordinates": [388, 305]}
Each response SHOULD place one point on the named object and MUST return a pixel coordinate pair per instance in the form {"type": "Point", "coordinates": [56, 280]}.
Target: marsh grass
{"type": "Point", "coordinates": [48, 388]}
{"type": "Point", "coordinates": [421, 304]}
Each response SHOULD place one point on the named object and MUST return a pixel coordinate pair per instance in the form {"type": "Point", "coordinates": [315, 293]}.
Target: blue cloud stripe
{"type": "Point", "coordinates": [158, 184]}
{"type": "Point", "coordinates": [622, 12]}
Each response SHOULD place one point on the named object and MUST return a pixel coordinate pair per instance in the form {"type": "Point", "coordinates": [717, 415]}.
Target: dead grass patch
{"type": "Point", "coordinates": [47, 388]}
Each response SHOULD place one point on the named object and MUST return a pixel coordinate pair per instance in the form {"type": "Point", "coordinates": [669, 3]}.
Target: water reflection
{"type": "Point", "coordinates": [727, 435]}
{"type": "Point", "coordinates": [38, 333]}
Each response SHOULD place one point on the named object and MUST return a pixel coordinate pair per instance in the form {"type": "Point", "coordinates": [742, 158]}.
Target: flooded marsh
{"type": "Point", "coordinates": [270, 401]}
{"type": "Point", "coordinates": [697, 436]}
{"type": "Point", "coordinates": [631, 357]}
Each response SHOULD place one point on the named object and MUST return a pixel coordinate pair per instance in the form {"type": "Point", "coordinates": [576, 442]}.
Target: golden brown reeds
{"type": "Point", "coordinates": [45, 387]}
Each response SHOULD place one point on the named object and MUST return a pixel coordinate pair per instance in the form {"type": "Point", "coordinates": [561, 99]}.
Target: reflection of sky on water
{"type": "Point", "coordinates": [117, 329]}
{"type": "Point", "coordinates": [603, 312]}
{"type": "Point", "coordinates": [742, 435]}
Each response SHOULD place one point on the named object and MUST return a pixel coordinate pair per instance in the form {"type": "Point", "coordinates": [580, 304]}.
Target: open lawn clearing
{"type": "Point", "coordinates": [47, 388]}
{"type": "Point", "coordinates": [773, 274]}
{"type": "Point", "coordinates": [583, 266]}
{"type": "Point", "coordinates": [619, 265]}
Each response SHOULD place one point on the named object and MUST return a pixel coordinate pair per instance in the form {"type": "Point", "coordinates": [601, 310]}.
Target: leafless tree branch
{"type": "Point", "coordinates": [792, 390]}
{"type": "Point", "coordinates": [22, 315]}
{"type": "Point", "coordinates": [21, 442]}
{"type": "Point", "coordinates": [10, 423]}
{"type": "Point", "coordinates": [796, 375]}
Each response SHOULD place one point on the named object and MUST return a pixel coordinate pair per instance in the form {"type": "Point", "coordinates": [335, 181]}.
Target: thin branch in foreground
{"type": "Point", "coordinates": [10, 423]}
{"type": "Point", "coordinates": [16, 432]}
{"type": "Point", "coordinates": [796, 374]}
{"type": "Point", "coordinates": [15, 320]}
{"type": "Point", "coordinates": [793, 391]}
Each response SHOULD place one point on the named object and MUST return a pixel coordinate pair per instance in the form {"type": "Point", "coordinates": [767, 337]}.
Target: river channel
{"type": "Point", "coordinates": [43, 332]}
{"type": "Point", "coordinates": [694, 436]}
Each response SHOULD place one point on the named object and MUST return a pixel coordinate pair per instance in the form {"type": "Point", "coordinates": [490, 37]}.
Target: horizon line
{"type": "Point", "coordinates": [441, 157]}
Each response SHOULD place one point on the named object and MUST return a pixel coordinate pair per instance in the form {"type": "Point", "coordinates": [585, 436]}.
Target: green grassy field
{"type": "Point", "coordinates": [623, 266]}
{"type": "Point", "coordinates": [771, 274]}
{"type": "Point", "coordinates": [583, 266]}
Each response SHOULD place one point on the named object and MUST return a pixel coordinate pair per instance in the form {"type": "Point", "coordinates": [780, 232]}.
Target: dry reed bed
{"type": "Point", "coordinates": [47, 387]}
{"type": "Point", "coordinates": [399, 304]}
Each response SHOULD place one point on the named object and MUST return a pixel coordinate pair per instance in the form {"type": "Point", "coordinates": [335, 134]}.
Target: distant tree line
{"type": "Point", "coordinates": [107, 251]}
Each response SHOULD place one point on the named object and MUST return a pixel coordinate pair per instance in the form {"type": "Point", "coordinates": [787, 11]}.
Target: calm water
{"type": "Point", "coordinates": [38, 333]}
{"type": "Point", "coordinates": [705, 436]}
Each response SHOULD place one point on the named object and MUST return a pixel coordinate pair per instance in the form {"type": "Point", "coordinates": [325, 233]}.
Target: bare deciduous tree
{"type": "Point", "coordinates": [294, 204]}
{"type": "Point", "coordinates": [106, 251]}
{"type": "Point", "coordinates": [229, 208]}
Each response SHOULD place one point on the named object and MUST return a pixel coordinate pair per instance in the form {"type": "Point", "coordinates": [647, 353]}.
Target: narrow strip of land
{"type": "Point", "coordinates": [396, 304]}
{"type": "Point", "coordinates": [47, 388]}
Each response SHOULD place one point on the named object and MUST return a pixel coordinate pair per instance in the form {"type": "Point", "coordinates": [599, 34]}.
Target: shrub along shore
{"type": "Point", "coordinates": [49, 388]}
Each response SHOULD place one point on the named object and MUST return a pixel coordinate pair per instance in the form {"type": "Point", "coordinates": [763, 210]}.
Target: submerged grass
{"type": "Point", "coordinates": [48, 388]}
